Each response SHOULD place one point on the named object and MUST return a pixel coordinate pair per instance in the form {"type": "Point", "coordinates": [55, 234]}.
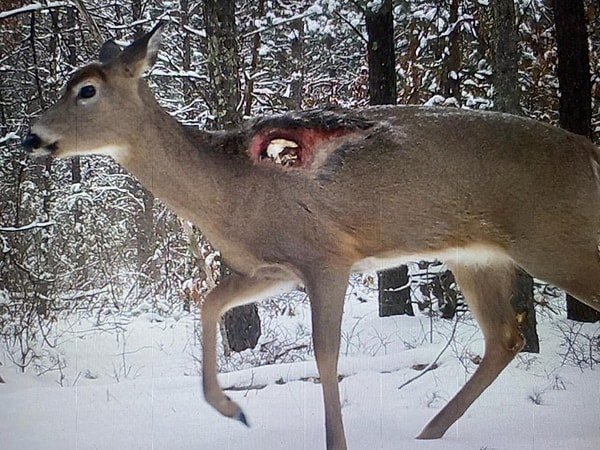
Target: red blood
{"type": "Point", "coordinates": [308, 139]}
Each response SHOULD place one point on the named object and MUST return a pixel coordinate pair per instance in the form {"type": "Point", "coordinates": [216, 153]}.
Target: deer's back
{"type": "Point", "coordinates": [421, 178]}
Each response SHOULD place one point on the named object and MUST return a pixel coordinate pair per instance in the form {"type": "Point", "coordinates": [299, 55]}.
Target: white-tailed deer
{"type": "Point", "coordinates": [306, 198]}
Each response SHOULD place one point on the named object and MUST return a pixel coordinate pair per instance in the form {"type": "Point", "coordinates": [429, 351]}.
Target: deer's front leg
{"type": "Point", "coordinates": [327, 289]}
{"type": "Point", "coordinates": [235, 290]}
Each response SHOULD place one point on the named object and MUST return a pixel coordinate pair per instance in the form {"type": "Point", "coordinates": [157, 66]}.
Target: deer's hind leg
{"type": "Point", "coordinates": [576, 269]}
{"type": "Point", "coordinates": [582, 281]}
{"type": "Point", "coordinates": [487, 290]}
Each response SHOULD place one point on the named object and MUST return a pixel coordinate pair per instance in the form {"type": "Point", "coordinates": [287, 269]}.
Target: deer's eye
{"type": "Point", "coordinates": [87, 91]}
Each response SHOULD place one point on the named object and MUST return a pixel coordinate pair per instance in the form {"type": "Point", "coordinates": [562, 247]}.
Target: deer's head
{"type": "Point", "coordinates": [101, 108]}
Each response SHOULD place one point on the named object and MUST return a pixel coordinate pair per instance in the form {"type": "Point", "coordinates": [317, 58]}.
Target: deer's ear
{"type": "Point", "coordinates": [141, 54]}
{"type": "Point", "coordinates": [109, 51]}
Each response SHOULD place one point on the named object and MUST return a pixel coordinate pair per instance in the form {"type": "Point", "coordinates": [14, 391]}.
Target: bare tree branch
{"type": "Point", "coordinates": [33, 8]}
{"type": "Point", "coordinates": [31, 226]}
{"type": "Point", "coordinates": [89, 20]}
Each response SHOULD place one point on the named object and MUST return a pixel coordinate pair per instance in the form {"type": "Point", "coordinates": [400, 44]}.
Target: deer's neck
{"type": "Point", "coordinates": [186, 169]}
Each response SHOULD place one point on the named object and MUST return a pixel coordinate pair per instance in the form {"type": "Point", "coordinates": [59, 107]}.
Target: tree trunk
{"type": "Point", "coordinates": [297, 76]}
{"type": "Point", "coordinates": [394, 292]}
{"type": "Point", "coordinates": [72, 58]}
{"type": "Point", "coordinates": [506, 87]}
{"type": "Point", "coordinates": [575, 103]}
{"type": "Point", "coordinates": [394, 286]}
{"type": "Point", "coordinates": [71, 23]}
{"type": "Point", "coordinates": [145, 233]}
{"type": "Point", "coordinates": [223, 62]}
{"type": "Point", "coordinates": [573, 68]}
{"type": "Point", "coordinates": [450, 80]}
{"type": "Point", "coordinates": [381, 54]}
{"type": "Point", "coordinates": [256, 41]}
{"type": "Point", "coordinates": [188, 83]}
{"type": "Point", "coordinates": [524, 306]}
{"type": "Point", "coordinates": [242, 324]}
{"type": "Point", "coordinates": [42, 173]}
{"type": "Point", "coordinates": [507, 100]}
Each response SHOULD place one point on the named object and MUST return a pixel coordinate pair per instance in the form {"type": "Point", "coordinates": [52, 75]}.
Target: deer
{"type": "Point", "coordinates": [359, 190]}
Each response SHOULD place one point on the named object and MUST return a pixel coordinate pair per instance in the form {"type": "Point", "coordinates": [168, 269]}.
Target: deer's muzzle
{"type": "Point", "coordinates": [33, 144]}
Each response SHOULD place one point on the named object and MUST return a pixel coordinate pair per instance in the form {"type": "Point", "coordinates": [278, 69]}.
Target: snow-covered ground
{"type": "Point", "coordinates": [134, 384]}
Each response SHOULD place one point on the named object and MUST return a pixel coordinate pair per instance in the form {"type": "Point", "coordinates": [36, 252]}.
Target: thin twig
{"type": "Point", "coordinates": [433, 364]}
{"type": "Point", "coordinates": [355, 29]}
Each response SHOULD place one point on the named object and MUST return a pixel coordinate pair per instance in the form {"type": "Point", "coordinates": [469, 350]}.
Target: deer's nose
{"type": "Point", "coordinates": [31, 142]}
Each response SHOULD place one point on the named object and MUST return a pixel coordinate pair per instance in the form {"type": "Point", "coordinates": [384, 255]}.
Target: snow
{"type": "Point", "coordinates": [374, 5]}
{"type": "Point", "coordinates": [133, 382]}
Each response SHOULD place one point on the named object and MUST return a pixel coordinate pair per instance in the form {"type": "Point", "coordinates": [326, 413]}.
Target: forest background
{"type": "Point", "coordinates": [81, 236]}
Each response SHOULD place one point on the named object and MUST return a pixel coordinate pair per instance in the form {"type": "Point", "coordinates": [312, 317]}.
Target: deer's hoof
{"type": "Point", "coordinates": [429, 434]}
{"type": "Point", "coordinates": [229, 408]}
{"type": "Point", "coordinates": [242, 418]}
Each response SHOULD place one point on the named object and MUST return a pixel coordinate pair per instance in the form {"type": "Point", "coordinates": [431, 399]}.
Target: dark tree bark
{"type": "Point", "coordinates": [188, 83]}
{"type": "Point", "coordinates": [394, 287]}
{"type": "Point", "coordinates": [297, 82]}
{"type": "Point", "coordinates": [573, 68]}
{"type": "Point", "coordinates": [524, 306]}
{"type": "Point", "coordinates": [381, 54]}
{"type": "Point", "coordinates": [394, 292]}
{"type": "Point", "coordinates": [72, 58]}
{"type": "Point", "coordinates": [575, 103]}
{"type": "Point", "coordinates": [223, 62]}
{"type": "Point", "coordinates": [71, 23]}
{"type": "Point", "coordinates": [42, 173]}
{"type": "Point", "coordinates": [242, 324]}
{"type": "Point", "coordinates": [507, 100]}
{"type": "Point", "coordinates": [256, 41]}
{"type": "Point", "coordinates": [441, 287]}
{"type": "Point", "coordinates": [145, 231]}
{"type": "Point", "coordinates": [450, 80]}
{"type": "Point", "coordinates": [242, 328]}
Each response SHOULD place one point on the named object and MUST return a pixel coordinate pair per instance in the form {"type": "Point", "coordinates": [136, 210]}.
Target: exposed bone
{"type": "Point", "coordinates": [276, 146]}
{"type": "Point", "coordinates": [283, 151]}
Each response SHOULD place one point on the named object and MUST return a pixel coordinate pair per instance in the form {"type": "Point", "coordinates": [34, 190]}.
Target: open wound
{"type": "Point", "coordinates": [293, 147]}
